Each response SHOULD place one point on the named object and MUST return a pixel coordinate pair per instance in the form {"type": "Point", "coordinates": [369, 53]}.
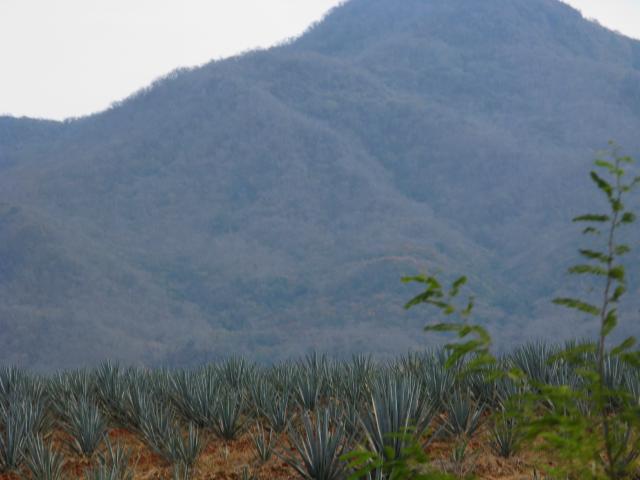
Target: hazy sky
{"type": "Point", "coordinates": [62, 58]}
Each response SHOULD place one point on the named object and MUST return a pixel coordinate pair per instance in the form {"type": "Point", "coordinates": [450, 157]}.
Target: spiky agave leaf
{"type": "Point", "coordinates": [351, 381]}
{"type": "Point", "coordinates": [185, 451]}
{"type": "Point", "coordinates": [195, 396]}
{"type": "Point", "coordinates": [277, 412]}
{"type": "Point", "coordinates": [261, 394]}
{"type": "Point", "coordinates": [235, 372]}
{"type": "Point", "coordinates": [438, 383]}
{"type": "Point", "coordinates": [33, 412]}
{"type": "Point", "coordinates": [113, 464]}
{"type": "Point", "coordinates": [262, 443]}
{"type": "Point", "coordinates": [247, 475]}
{"type": "Point", "coordinates": [13, 441]}
{"type": "Point", "coordinates": [86, 425]}
{"type": "Point", "coordinates": [14, 383]}
{"type": "Point", "coordinates": [282, 376]}
{"type": "Point", "coordinates": [229, 422]}
{"type": "Point", "coordinates": [463, 415]}
{"type": "Point", "coordinates": [320, 446]}
{"type": "Point", "coordinates": [308, 388]}
{"type": "Point", "coordinates": [71, 386]}
{"type": "Point", "coordinates": [123, 393]}
{"type": "Point", "coordinates": [506, 437]}
{"type": "Point", "coordinates": [157, 428]}
{"type": "Point", "coordinates": [111, 391]}
{"type": "Point", "coordinates": [395, 414]}
{"type": "Point", "coordinates": [535, 360]}
{"type": "Point", "coordinates": [43, 462]}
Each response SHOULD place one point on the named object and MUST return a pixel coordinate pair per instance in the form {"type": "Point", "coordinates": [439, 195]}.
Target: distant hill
{"type": "Point", "coordinates": [268, 204]}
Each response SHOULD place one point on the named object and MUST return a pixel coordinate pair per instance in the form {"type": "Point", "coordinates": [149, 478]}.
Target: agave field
{"type": "Point", "coordinates": [297, 419]}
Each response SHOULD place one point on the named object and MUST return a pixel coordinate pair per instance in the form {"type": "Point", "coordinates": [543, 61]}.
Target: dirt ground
{"type": "Point", "coordinates": [220, 461]}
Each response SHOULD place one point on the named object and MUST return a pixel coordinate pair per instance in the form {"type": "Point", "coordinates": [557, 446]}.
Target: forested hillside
{"type": "Point", "coordinates": [269, 203]}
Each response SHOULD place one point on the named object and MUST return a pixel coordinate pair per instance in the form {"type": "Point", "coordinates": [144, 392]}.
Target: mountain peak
{"type": "Point", "coordinates": [358, 25]}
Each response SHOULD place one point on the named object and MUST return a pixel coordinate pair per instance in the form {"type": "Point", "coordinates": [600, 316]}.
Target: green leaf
{"type": "Point", "coordinates": [416, 278]}
{"type": "Point", "coordinates": [592, 230]}
{"type": "Point", "coordinates": [610, 322]}
{"type": "Point", "coordinates": [592, 254]}
{"type": "Point", "coordinates": [624, 346]}
{"type": "Point", "coordinates": [442, 327]}
{"type": "Point", "coordinates": [467, 311]}
{"type": "Point", "coordinates": [455, 287]}
{"type": "Point", "coordinates": [592, 217]}
{"type": "Point", "coordinates": [588, 270]}
{"type": "Point", "coordinates": [602, 184]}
{"type": "Point", "coordinates": [631, 358]}
{"type": "Point", "coordinates": [609, 166]}
{"type": "Point", "coordinates": [617, 205]}
{"type": "Point", "coordinates": [574, 354]}
{"type": "Point", "coordinates": [628, 217]}
{"type": "Point", "coordinates": [618, 292]}
{"type": "Point", "coordinates": [424, 297]}
{"type": "Point", "coordinates": [578, 305]}
{"type": "Point", "coordinates": [622, 249]}
{"type": "Point", "coordinates": [617, 273]}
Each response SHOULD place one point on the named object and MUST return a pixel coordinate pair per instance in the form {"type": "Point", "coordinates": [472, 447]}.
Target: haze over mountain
{"type": "Point", "coordinates": [269, 203]}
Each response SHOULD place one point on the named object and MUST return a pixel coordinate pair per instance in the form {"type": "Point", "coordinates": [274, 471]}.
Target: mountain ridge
{"type": "Point", "coordinates": [268, 204]}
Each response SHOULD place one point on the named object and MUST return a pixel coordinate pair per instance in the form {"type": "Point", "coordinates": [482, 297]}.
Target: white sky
{"type": "Point", "coordinates": [63, 58]}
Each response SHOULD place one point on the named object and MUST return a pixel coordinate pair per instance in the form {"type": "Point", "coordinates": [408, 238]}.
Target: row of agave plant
{"type": "Point", "coordinates": [309, 413]}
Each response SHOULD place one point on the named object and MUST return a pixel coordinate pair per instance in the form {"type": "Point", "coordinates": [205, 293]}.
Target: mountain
{"type": "Point", "coordinates": [269, 203]}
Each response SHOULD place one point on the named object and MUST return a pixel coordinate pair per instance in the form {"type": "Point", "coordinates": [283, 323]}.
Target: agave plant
{"type": "Point", "coordinates": [461, 463]}
{"type": "Point", "coordinates": [320, 446]}
{"type": "Point", "coordinates": [507, 392]}
{"type": "Point", "coordinates": [614, 378]}
{"type": "Point", "coordinates": [140, 400]}
{"type": "Point", "coordinates": [247, 475]}
{"type": "Point", "coordinates": [124, 394]}
{"type": "Point", "coordinates": [158, 430]}
{"type": "Point", "coordinates": [86, 425]}
{"type": "Point", "coordinates": [13, 441]}
{"type": "Point", "coordinates": [632, 386]}
{"type": "Point", "coordinates": [311, 380]}
{"type": "Point", "coordinates": [111, 465]}
{"type": "Point", "coordinates": [262, 443]}
{"type": "Point", "coordinates": [352, 381]}
{"type": "Point", "coordinates": [261, 394]}
{"type": "Point", "coordinates": [463, 415]}
{"type": "Point", "coordinates": [111, 389]}
{"type": "Point", "coordinates": [277, 412]}
{"type": "Point", "coordinates": [535, 360]}
{"type": "Point", "coordinates": [185, 451]}
{"type": "Point", "coordinates": [235, 372]}
{"type": "Point", "coordinates": [33, 413]}
{"type": "Point", "coordinates": [438, 382]}
{"type": "Point", "coordinates": [394, 414]}
{"type": "Point", "coordinates": [282, 376]}
{"type": "Point", "coordinates": [71, 386]}
{"type": "Point", "coordinates": [228, 423]}
{"type": "Point", "coordinates": [43, 462]}
{"type": "Point", "coordinates": [349, 415]}
{"type": "Point", "coordinates": [181, 472]}
{"type": "Point", "coordinates": [484, 390]}
{"type": "Point", "coordinates": [308, 387]}
{"type": "Point", "coordinates": [195, 396]}
{"type": "Point", "coordinates": [14, 383]}
{"type": "Point", "coordinates": [506, 437]}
